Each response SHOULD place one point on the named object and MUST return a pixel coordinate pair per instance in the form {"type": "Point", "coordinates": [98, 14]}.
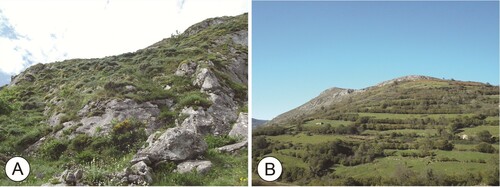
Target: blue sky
{"type": "Point", "coordinates": [303, 48]}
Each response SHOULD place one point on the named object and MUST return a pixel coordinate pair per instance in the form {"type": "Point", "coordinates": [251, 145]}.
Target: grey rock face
{"type": "Point", "coordinates": [111, 110]}
{"type": "Point", "coordinates": [186, 69]}
{"type": "Point", "coordinates": [240, 37]}
{"type": "Point", "coordinates": [175, 144]}
{"type": "Point", "coordinates": [233, 147]}
{"type": "Point", "coordinates": [206, 79]}
{"type": "Point", "coordinates": [71, 177]}
{"type": "Point", "coordinates": [143, 171]}
{"type": "Point", "coordinates": [240, 128]}
{"type": "Point", "coordinates": [55, 119]}
{"type": "Point", "coordinates": [200, 167]}
{"type": "Point", "coordinates": [198, 121]}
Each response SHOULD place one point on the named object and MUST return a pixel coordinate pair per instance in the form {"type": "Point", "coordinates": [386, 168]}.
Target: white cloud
{"type": "Point", "coordinates": [57, 30]}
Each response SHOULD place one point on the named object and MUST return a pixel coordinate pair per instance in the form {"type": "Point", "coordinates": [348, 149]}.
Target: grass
{"type": "Point", "coordinates": [227, 170]}
{"type": "Point", "coordinates": [305, 139]}
{"type": "Point", "coordinates": [473, 131]}
{"type": "Point", "coordinates": [289, 161]}
{"type": "Point", "coordinates": [334, 123]}
{"type": "Point", "coordinates": [426, 84]}
{"type": "Point", "coordinates": [386, 167]}
{"type": "Point", "coordinates": [466, 155]}
{"type": "Point", "coordinates": [420, 132]}
{"type": "Point", "coordinates": [409, 116]}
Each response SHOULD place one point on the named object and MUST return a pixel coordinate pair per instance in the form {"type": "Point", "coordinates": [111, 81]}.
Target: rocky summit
{"type": "Point", "coordinates": [156, 116]}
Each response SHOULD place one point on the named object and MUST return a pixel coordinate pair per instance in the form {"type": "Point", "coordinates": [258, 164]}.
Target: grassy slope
{"type": "Point", "coordinates": [74, 83]}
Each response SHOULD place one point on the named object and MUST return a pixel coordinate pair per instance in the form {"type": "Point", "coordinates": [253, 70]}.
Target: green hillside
{"type": "Point", "coordinates": [412, 130]}
{"type": "Point", "coordinates": [96, 114]}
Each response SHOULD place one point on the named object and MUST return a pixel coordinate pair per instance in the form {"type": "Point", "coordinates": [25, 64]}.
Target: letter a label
{"type": "Point", "coordinates": [17, 169]}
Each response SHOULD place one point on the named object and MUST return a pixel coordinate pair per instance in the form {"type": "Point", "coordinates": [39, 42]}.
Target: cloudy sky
{"type": "Point", "coordinates": [45, 31]}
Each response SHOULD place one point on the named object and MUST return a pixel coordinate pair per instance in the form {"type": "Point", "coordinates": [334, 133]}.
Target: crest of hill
{"type": "Point", "coordinates": [412, 87]}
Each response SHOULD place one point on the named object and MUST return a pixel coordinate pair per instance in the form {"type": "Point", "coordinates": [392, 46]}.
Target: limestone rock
{"type": "Point", "coordinates": [198, 121]}
{"type": "Point", "coordinates": [201, 167]}
{"type": "Point", "coordinates": [186, 69]}
{"type": "Point", "coordinates": [175, 144]}
{"type": "Point", "coordinates": [240, 128]}
{"type": "Point", "coordinates": [233, 147]}
{"type": "Point", "coordinates": [206, 79]}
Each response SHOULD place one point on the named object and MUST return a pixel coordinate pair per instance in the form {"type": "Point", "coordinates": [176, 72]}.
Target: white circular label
{"type": "Point", "coordinates": [269, 169]}
{"type": "Point", "coordinates": [17, 169]}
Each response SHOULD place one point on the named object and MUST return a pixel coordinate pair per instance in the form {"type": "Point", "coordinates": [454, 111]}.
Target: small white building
{"type": "Point", "coordinates": [464, 137]}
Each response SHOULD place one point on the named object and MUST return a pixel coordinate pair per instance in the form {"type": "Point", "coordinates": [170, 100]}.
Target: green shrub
{"type": "Point", "coordinates": [70, 130]}
{"type": "Point", "coordinates": [485, 148]}
{"type": "Point", "coordinates": [56, 128]}
{"type": "Point", "coordinates": [194, 99]}
{"type": "Point", "coordinates": [53, 149]}
{"type": "Point", "coordinates": [165, 167]}
{"type": "Point", "coordinates": [67, 117]}
{"type": "Point", "coordinates": [80, 142]}
{"type": "Point", "coordinates": [100, 143]}
{"type": "Point", "coordinates": [29, 138]}
{"type": "Point", "coordinates": [4, 108]}
{"type": "Point", "coordinates": [218, 141]}
{"type": "Point", "coordinates": [86, 156]}
{"type": "Point", "coordinates": [128, 135]}
{"type": "Point", "coordinates": [167, 116]}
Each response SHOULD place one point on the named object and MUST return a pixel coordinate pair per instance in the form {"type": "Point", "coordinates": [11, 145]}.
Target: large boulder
{"type": "Point", "coordinates": [240, 128]}
{"type": "Point", "coordinates": [175, 144]}
{"type": "Point", "coordinates": [233, 147]}
{"type": "Point", "coordinates": [200, 166]}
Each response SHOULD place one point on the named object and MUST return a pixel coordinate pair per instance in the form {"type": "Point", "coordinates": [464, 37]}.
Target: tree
{"type": "Point", "coordinates": [261, 142]}
{"type": "Point", "coordinates": [485, 148]}
{"type": "Point", "coordinates": [484, 136]}
{"type": "Point", "coordinates": [444, 145]}
{"type": "Point", "coordinates": [300, 127]}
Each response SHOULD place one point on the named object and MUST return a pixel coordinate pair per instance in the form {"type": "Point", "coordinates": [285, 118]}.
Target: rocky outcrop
{"type": "Point", "coordinates": [405, 78]}
{"type": "Point", "coordinates": [205, 24]}
{"type": "Point", "coordinates": [186, 69]}
{"type": "Point", "coordinates": [206, 80]}
{"type": "Point", "coordinates": [233, 147]}
{"type": "Point", "coordinates": [325, 99]}
{"type": "Point", "coordinates": [96, 117]}
{"type": "Point", "coordinates": [200, 166]}
{"type": "Point", "coordinates": [176, 144]}
{"type": "Point", "coordinates": [69, 177]}
{"type": "Point", "coordinates": [240, 128]}
{"type": "Point", "coordinates": [198, 121]}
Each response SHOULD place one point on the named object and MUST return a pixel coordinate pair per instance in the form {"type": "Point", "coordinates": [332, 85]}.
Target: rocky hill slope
{"type": "Point", "coordinates": [163, 109]}
{"type": "Point", "coordinates": [412, 130]}
{"type": "Point", "coordinates": [473, 97]}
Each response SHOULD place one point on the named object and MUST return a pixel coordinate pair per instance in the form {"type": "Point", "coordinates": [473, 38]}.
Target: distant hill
{"type": "Point", "coordinates": [408, 94]}
{"type": "Point", "coordinates": [408, 131]}
{"type": "Point", "coordinates": [258, 122]}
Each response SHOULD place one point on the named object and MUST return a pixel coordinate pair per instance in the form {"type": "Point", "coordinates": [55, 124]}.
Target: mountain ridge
{"type": "Point", "coordinates": [334, 95]}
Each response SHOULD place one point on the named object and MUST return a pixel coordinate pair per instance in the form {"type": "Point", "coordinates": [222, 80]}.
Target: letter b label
{"type": "Point", "coordinates": [269, 169]}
